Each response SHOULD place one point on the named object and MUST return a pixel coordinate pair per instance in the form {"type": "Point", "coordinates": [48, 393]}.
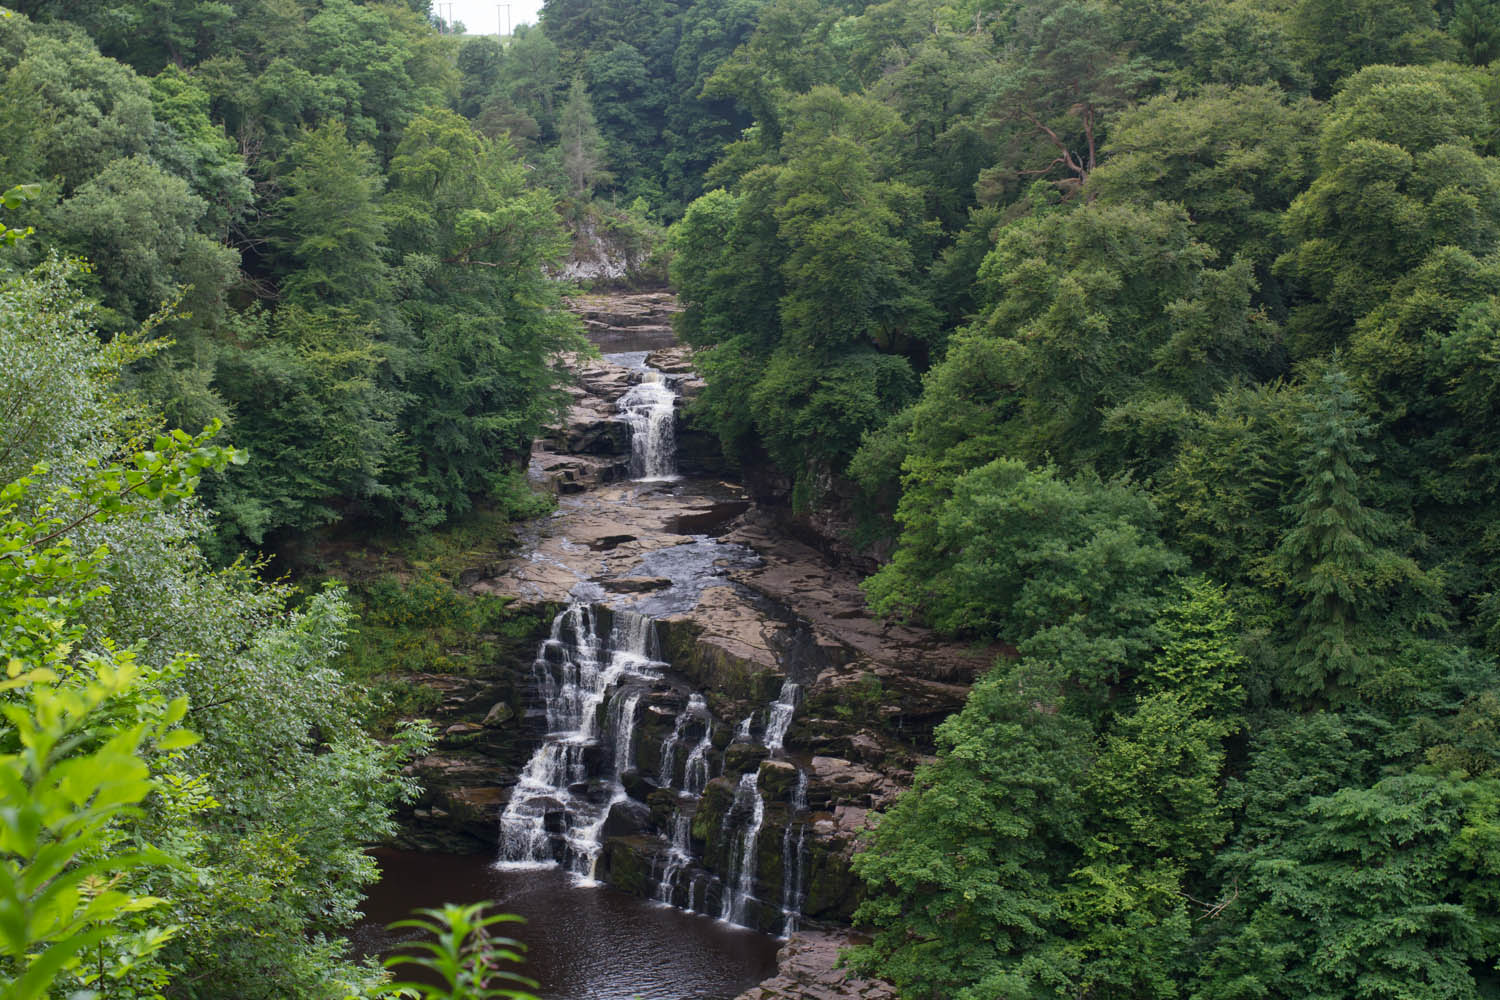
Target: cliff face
{"type": "Point", "coordinates": [770, 715]}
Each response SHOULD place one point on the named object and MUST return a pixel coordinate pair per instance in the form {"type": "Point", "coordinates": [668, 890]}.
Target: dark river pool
{"type": "Point", "coordinates": [583, 943]}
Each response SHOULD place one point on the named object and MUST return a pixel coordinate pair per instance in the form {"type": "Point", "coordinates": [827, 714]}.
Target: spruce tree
{"type": "Point", "coordinates": [1334, 563]}
{"type": "Point", "coordinates": [582, 147]}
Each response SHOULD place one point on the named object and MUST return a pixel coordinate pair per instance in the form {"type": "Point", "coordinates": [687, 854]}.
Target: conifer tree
{"type": "Point", "coordinates": [581, 145]}
{"type": "Point", "coordinates": [1334, 563]}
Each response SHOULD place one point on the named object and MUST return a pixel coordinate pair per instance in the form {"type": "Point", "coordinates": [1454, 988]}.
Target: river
{"type": "Point", "coordinates": [583, 943]}
{"type": "Point", "coordinates": [709, 723]}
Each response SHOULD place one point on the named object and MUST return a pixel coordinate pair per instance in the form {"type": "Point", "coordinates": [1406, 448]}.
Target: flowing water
{"type": "Point", "coordinates": [650, 409]}
{"type": "Point", "coordinates": [749, 812]}
{"type": "Point", "coordinates": [595, 677]}
{"type": "Point", "coordinates": [582, 666]}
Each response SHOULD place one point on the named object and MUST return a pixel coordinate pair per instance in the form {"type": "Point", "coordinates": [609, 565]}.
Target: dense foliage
{"type": "Point", "coordinates": [359, 274]}
{"type": "Point", "coordinates": [268, 220]}
{"type": "Point", "coordinates": [116, 629]}
{"type": "Point", "coordinates": [1158, 340]}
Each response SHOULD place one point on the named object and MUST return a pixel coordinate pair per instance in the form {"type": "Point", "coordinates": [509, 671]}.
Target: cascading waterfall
{"type": "Point", "coordinates": [779, 719]}
{"type": "Point", "coordinates": [649, 407]}
{"type": "Point", "coordinates": [794, 861]}
{"type": "Point", "coordinates": [739, 887]}
{"type": "Point", "coordinates": [666, 772]}
{"type": "Point", "coordinates": [679, 856]}
{"type": "Point", "coordinates": [600, 679]}
{"type": "Point", "coordinates": [695, 773]}
{"type": "Point", "coordinates": [576, 670]}
{"type": "Point", "coordinates": [593, 675]}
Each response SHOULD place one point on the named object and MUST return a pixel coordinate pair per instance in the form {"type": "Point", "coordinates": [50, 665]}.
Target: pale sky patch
{"type": "Point", "coordinates": [483, 17]}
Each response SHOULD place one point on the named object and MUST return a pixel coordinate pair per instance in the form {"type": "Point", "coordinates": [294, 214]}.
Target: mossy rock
{"type": "Point", "coordinates": [741, 758]}
{"type": "Point", "coordinates": [708, 823]}
{"type": "Point", "coordinates": [637, 785]}
{"type": "Point", "coordinates": [833, 891]}
{"type": "Point", "coordinates": [729, 680]}
{"type": "Point", "coordinates": [626, 864]}
{"type": "Point", "coordinates": [778, 780]}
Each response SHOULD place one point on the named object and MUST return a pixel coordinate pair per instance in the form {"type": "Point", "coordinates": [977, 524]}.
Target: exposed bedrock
{"type": "Point", "coordinates": [724, 751]}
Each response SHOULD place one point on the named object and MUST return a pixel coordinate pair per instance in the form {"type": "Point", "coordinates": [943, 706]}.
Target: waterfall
{"type": "Point", "coordinates": [779, 719]}
{"type": "Point", "coordinates": [679, 856]}
{"type": "Point", "coordinates": [666, 771]}
{"type": "Point", "coordinates": [594, 674]}
{"type": "Point", "coordinates": [739, 886]}
{"type": "Point", "coordinates": [695, 773]}
{"type": "Point", "coordinates": [576, 670]}
{"type": "Point", "coordinates": [794, 861]}
{"type": "Point", "coordinates": [649, 407]}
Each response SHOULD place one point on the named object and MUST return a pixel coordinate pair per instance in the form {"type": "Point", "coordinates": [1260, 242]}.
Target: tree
{"type": "Point", "coordinates": [631, 105]}
{"type": "Point", "coordinates": [141, 226]}
{"type": "Point", "coordinates": [532, 76]}
{"type": "Point", "coordinates": [1242, 43]}
{"type": "Point", "coordinates": [1071, 70]}
{"type": "Point", "coordinates": [1103, 330]}
{"type": "Point", "coordinates": [196, 149]}
{"type": "Point", "coordinates": [1341, 881]}
{"type": "Point", "coordinates": [1233, 158]}
{"type": "Point", "coordinates": [1337, 38]}
{"type": "Point", "coordinates": [68, 110]}
{"type": "Point", "coordinates": [1352, 597]}
{"type": "Point", "coordinates": [333, 227]}
{"type": "Point", "coordinates": [1070, 570]}
{"type": "Point", "coordinates": [581, 146]}
{"type": "Point", "coordinates": [1475, 25]}
{"type": "Point", "coordinates": [312, 403]}
{"type": "Point", "coordinates": [1401, 176]}
{"type": "Point", "coordinates": [471, 240]}
{"type": "Point", "coordinates": [1222, 495]}
{"type": "Point", "coordinates": [831, 355]}
{"type": "Point", "coordinates": [961, 868]}
{"type": "Point", "coordinates": [268, 815]}
{"type": "Point", "coordinates": [697, 126]}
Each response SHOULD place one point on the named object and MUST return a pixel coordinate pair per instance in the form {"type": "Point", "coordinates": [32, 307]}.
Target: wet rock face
{"type": "Point", "coordinates": [628, 321]}
{"type": "Point", "coordinates": [485, 733]}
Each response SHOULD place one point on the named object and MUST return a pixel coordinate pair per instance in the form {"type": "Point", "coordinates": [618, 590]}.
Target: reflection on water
{"type": "Point", "coordinates": [583, 943]}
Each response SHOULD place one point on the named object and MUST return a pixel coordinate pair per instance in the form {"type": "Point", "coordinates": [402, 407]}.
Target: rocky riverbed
{"type": "Point", "coordinates": [807, 713]}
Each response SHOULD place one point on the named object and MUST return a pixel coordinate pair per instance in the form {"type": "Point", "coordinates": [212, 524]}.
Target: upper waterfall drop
{"type": "Point", "coordinates": [650, 409]}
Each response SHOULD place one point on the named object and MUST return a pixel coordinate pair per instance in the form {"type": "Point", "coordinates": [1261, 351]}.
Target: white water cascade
{"type": "Point", "coordinates": [779, 719]}
{"type": "Point", "coordinates": [739, 886]}
{"type": "Point", "coordinates": [650, 408]}
{"type": "Point", "coordinates": [578, 670]}
{"type": "Point", "coordinates": [679, 856]}
{"type": "Point", "coordinates": [794, 861]}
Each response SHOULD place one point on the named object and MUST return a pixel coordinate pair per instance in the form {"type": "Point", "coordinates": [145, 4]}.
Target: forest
{"type": "Point", "coordinates": [1158, 340]}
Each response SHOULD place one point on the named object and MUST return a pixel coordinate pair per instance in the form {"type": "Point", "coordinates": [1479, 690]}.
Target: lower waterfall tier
{"type": "Point", "coordinates": [637, 783]}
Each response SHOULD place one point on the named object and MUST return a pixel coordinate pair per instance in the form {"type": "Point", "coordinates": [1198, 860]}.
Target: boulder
{"type": "Point", "coordinates": [627, 817]}
{"type": "Point", "coordinates": [808, 968]}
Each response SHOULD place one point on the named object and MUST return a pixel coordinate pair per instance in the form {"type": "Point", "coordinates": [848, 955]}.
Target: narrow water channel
{"type": "Point", "coordinates": [584, 943]}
